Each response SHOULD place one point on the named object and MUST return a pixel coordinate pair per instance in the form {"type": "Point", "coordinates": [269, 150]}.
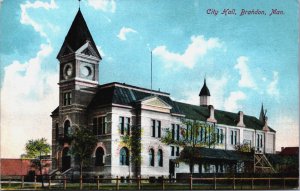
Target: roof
{"type": "Point", "coordinates": [128, 95]}
{"type": "Point", "coordinates": [123, 94]}
{"type": "Point", "coordinates": [204, 90]}
{"type": "Point", "coordinates": [289, 151]}
{"type": "Point", "coordinates": [223, 117]}
{"type": "Point", "coordinates": [219, 154]}
{"type": "Point", "coordinates": [78, 35]}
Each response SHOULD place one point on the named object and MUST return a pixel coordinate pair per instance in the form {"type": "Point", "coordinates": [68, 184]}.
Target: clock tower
{"type": "Point", "coordinates": [79, 74]}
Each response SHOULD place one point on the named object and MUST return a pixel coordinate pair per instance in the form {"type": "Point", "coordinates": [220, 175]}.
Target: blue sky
{"type": "Point", "coordinates": [247, 59]}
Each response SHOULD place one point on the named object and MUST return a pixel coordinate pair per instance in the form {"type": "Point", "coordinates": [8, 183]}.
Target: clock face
{"type": "Point", "coordinates": [86, 71]}
{"type": "Point", "coordinates": [68, 70]}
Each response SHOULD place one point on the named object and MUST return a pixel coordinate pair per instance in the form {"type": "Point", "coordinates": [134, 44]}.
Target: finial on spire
{"type": "Point", "coordinates": [79, 4]}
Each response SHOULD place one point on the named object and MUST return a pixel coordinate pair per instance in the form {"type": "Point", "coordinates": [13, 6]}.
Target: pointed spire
{"type": "Point", "coordinates": [77, 36]}
{"type": "Point", "coordinates": [262, 114]}
{"type": "Point", "coordinates": [204, 90]}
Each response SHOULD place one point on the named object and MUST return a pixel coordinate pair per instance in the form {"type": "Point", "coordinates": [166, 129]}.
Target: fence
{"type": "Point", "coordinates": [162, 183]}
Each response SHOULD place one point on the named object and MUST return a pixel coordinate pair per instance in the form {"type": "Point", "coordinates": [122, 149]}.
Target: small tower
{"type": "Point", "coordinates": [262, 114]}
{"type": "Point", "coordinates": [204, 95]}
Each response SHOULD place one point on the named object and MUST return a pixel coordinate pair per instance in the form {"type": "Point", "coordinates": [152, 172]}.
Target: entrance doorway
{"type": "Point", "coordinates": [66, 159]}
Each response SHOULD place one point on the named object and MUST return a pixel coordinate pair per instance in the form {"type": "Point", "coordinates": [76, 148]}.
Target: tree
{"type": "Point", "coordinates": [83, 144]}
{"type": "Point", "coordinates": [195, 134]}
{"type": "Point", "coordinates": [133, 142]}
{"type": "Point", "coordinates": [35, 149]}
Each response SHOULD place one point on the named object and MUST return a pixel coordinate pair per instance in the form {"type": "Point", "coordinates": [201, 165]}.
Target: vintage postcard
{"type": "Point", "coordinates": [161, 92]}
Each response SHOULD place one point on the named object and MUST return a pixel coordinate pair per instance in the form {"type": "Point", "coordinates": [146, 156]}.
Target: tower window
{"type": "Point", "coordinates": [67, 128]}
{"type": "Point", "coordinates": [67, 98]}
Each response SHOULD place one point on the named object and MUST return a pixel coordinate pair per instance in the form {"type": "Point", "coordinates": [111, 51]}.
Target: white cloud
{"type": "Point", "coordinates": [27, 20]}
{"type": "Point", "coordinates": [272, 87]}
{"type": "Point", "coordinates": [103, 5]}
{"type": "Point", "coordinates": [124, 31]}
{"type": "Point", "coordinates": [195, 50]}
{"type": "Point", "coordinates": [285, 126]}
{"type": "Point", "coordinates": [28, 95]}
{"type": "Point", "coordinates": [246, 78]}
{"type": "Point", "coordinates": [231, 103]}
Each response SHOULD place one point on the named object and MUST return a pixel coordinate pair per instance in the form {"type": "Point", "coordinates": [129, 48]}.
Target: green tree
{"type": "Point", "coordinates": [35, 149]}
{"type": "Point", "coordinates": [83, 144]}
{"type": "Point", "coordinates": [194, 134]}
{"type": "Point", "coordinates": [133, 142]}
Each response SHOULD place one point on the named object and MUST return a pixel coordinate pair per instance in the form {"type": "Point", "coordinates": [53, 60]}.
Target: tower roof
{"type": "Point", "coordinates": [204, 90]}
{"type": "Point", "coordinates": [77, 36]}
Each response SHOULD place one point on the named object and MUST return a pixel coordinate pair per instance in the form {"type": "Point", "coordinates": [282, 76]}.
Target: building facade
{"type": "Point", "coordinates": [112, 109]}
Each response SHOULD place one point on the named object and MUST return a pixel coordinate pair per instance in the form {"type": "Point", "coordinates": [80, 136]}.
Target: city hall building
{"type": "Point", "coordinates": [110, 110]}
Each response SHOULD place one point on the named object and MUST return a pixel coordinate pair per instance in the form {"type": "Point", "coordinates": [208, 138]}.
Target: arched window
{"type": "Point", "coordinates": [99, 157]}
{"type": "Point", "coordinates": [124, 156]}
{"type": "Point", "coordinates": [160, 157]}
{"type": "Point", "coordinates": [67, 128]}
{"type": "Point", "coordinates": [151, 157]}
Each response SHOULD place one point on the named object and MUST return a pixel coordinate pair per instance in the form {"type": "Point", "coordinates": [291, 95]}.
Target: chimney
{"type": "Point", "coordinates": [240, 119]}
{"type": "Point", "coordinates": [266, 127]}
{"type": "Point", "coordinates": [211, 114]}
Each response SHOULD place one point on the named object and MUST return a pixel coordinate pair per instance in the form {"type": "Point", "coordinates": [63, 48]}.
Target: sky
{"type": "Point", "coordinates": [247, 60]}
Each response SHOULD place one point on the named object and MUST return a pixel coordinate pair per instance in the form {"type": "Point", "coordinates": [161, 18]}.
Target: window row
{"type": "Point", "coordinates": [124, 125]}
{"type": "Point", "coordinates": [67, 98]}
{"type": "Point", "coordinates": [100, 125]}
{"type": "Point", "coordinates": [152, 157]}
{"type": "Point", "coordinates": [259, 141]}
{"type": "Point", "coordinates": [156, 128]}
{"type": "Point", "coordinates": [173, 151]}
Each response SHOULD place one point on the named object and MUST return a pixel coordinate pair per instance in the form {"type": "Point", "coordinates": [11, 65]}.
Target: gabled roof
{"type": "Point", "coordinates": [204, 90]}
{"type": "Point", "coordinates": [77, 36]}
{"type": "Point", "coordinates": [201, 113]}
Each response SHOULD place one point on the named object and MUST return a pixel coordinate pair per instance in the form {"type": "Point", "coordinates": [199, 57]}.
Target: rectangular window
{"type": "Point", "coordinates": [172, 151]}
{"type": "Point", "coordinates": [124, 125]}
{"type": "Point", "coordinates": [121, 125]}
{"type": "Point", "coordinates": [153, 128]}
{"type": "Point", "coordinates": [158, 128]}
{"type": "Point", "coordinates": [173, 131]}
{"type": "Point", "coordinates": [177, 132]}
{"type": "Point", "coordinates": [233, 137]}
{"type": "Point", "coordinates": [67, 98]}
{"type": "Point", "coordinates": [177, 151]}
{"type": "Point", "coordinates": [100, 125]}
{"type": "Point", "coordinates": [127, 125]}
{"type": "Point", "coordinates": [219, 135]}
{"type": "Point", "coordinates": [201, 134]}
{"type": "Point", "coordinates": [187, 132]}
{"type": "Point", "coordinates": [259, 140]}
